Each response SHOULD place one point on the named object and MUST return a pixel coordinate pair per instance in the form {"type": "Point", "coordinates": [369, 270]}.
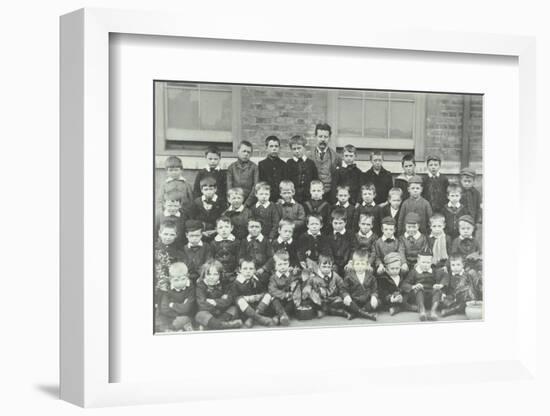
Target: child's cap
{"type": "Point", "coordinates": [208, 180]}
{"type": "Point", "coordinates": [433, 157]}
{"type": "Point", "coordinates": [415, 179]}
{"type": "Point", "coordinates": [467, 218]}
{"type": "Point", "coordinates": [392, 258]}
{"type": "Point", "coordinates": [388, 221]}
{"type": "Point", "coordinates": [193, 225]}
{"type": "Point", "coordinates": [412, 218]}
{"type": "Point", "coordinates": [468, 172]}
{"type": "Point", "coordinates": [173, 162]}
{"type": "Point", "coordinates": [426, 251]}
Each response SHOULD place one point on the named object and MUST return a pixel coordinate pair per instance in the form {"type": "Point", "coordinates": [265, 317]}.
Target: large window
{"type": "Point", "coordinates": [371, 119]}
{"type": "Point", "coordinates": [193, 116]}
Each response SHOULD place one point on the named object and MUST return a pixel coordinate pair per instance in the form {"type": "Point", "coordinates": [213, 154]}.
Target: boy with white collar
{"type": "Point", "coordinates": [273, 168]}
{"type": "Point", "coordinates": [280, 287]}
{"type": "Point", "coordinates": [390, 209]}
{"type": "Point", "coordinates": [237, 212]}
{"type": "Point", "coordinates": [392, 285]}
{"type": "Point", "coordinates": [213, 157]}
{"type": "Point", "coordinates": [171, 211]}
{"type": "Point", "coordinates": [175, 181]}
{"type": "Point", "coordinates": [427, 285]}
{"type": "Point", "coordinates": [250, 295]}
{"type": "Point", "coordinates": [301, 170]}
{"type": "Point", "coordinates": [434, 184]}
{"type": "Point", "coordinates": [317, 205]}
{"type": "Point", "coordinates": [333, 290]}
{"type": "Point", "coordinates": [312, 243]}
{"type": "Point", "coordinates": [256, 246]}
{"type": "Point", "coordinates": [177, 305]}
{"type": "Point", "coordinates": [343, 202]}
{"type": "Point", "coordinates": [386, 244]}
{"type": "Point", "coordinates": [465, 244]}
{"type": "Point", "coordinates": [195, 252]}
{"type": "Point", "coordinates": [286, 242]}
{"type": "Point", "coordinates": [366, 205]}
{"type": "Point", "coordinates": [225, 248]}
{"type": "Point", "coordinates": [459, 288]}
{"type": "Point", "coordinates": [340, 241]}
{"type": "Point", "coordinates": [439, 242]}
{"type": "Point", "coordinates": [243, 173]}
{"type": "Point", "coordinates": [290, 209]}
{"type": "Point", "coordinates": [415, 203]}
{"type": "Point", "coordinates": [266, 210]}
{"type": "Point", "coordinates": [413, 241]}
{"type": "Point", "coordinates": [208, 208]}
{"type": "Point", "coordinates": [362, 287]}
{"type": "Point", "coordinates": [453, 210]}
{"type": "Point", "coordinates": [348, 174]}
{"type": "Point", "coordinates": [365, 238]}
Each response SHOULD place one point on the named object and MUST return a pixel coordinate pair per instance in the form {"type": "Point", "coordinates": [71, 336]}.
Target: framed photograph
{"type": "Point", "coordinates": [245, 204]}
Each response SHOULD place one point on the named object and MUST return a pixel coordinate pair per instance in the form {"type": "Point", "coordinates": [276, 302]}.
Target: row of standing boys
{"type": "Point", "coordinates": [257, 244]}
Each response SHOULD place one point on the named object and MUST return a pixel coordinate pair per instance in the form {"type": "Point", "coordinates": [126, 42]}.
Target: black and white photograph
{"type": "Point", "coordinates": [288, 206]}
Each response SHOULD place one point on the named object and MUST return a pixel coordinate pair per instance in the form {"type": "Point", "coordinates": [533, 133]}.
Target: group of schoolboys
{"type": "Point", "coordinates": [240, 247]}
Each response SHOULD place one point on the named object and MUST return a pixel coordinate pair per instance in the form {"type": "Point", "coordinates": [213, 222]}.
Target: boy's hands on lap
{"type": "Point", "coordinates": [405, 267]}
{"type": "Point", "coordinates": [211, 302]}
{"type": "Point", "coordinates": [418, 287]}
{"type": "Point", "coordinates": [347, 300]}
{"type": "Point", "coordinates": [380, 269]}
{"type": "Point", "coordinates": [373, 302]}
{"type": "Point", "coordinates": [438, 286]}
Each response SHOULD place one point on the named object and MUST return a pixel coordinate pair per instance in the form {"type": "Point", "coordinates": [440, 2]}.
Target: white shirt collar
{"type": "Point", "coordinates": [442, 235]}
{"type": "Point", "coordinates": [372, 204]}
{"type": "Point", "coordinates": [450, 205]}
{"type": "Point", "coordinates": [433, 176]}
{"type": "Point", "coordinates": [265, 205]}
{"type": "Point", "coordinates": [459, 274]}
{"type": "Point", "coordinates": [316, 235]}
{"type": "Point", "coordinates": [393, 211]}
{"type": "Point", "coordinates": [304, 158]}
{"type": "Point", "coordinates": [416, 235]}
{"type": "Point", "coordinates": [322, 276]}
{"type": "Point", "coordinates": [208, 169]}
{"type": "Point", "coordinates": [345, 165]}
{"type": "Point", "coordinates": [186, 286]}
{"type": "Point", "coordinates": [177, 214]}
{"type": "Point", "coordinates": [280, 241]}
{"type": "Point", "coordinates": [292, 201]}
{"type": "Point", "coordinates": [214, 198]}
{"type": "Point", "coordinates": [279, 275]}
{"type": "Point", "coordinates": [417, 268]}
{"type": "Point", "coordinates": [343, 206]}
{"type": "Point", "coordinates": [199, 244]}
{"type": "Point", "coordinates": [395, 279]}
{"type": "Point", "coordinates": [240, 209]}
{"type": "Point", "coordinates": [361, 277]}
{"type": "Point", "coordinates": [231, 237]}
{"type": "Point", "coordinates": [463, 238]}
{"type": "Point", "coordinates": [340, 232]}
{"type": "Point", "coordinates": [260, 238]}
{"type": "Point", "coordinates": [179, 178]}
{"type": "Point", "coordinates": [367, 235]}
{"type": "Point", "coordinates": [384, 238]}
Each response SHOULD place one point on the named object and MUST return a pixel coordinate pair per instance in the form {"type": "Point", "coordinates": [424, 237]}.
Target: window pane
{"type": "Point", "coordinates": [401, 120]}
{"type": "Point", "coordinates": [215, 110]}
{"type": "Point", "coordinates": [376, 119]}
{"type": "Point", "coordinates": [182, 108]}
{"type": "Point", "coordinates": [349, 117]}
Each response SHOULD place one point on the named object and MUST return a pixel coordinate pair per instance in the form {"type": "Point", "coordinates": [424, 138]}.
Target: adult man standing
{"type": "Point", "coordinates": [379, 177]}
{"type": "Point", "coordinates": [326, 159]}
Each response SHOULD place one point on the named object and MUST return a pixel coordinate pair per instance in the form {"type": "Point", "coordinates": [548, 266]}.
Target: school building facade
{"type": "Point", "coordinates": [189, 117]}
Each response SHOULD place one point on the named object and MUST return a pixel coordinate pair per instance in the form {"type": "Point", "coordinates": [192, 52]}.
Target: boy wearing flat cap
{"type": "Point", "coordinates": [415, 203]}
{"type": "Point", "coordinates": [413, 241]}
{"type": "Point", "coordinates": [471, 197]}
{"type": "Point", "coordinates": [394, 291]}
{"type": "Point", "coordinates": [465, 244]}
{"type": "Point", "coordinates": [434, 184]}
{"type": "Point", "coordinates": [387, 244]}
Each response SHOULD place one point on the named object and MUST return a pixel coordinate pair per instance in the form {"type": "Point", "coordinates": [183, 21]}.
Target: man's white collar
{"type": "Point", "coordinates": [367, 235]}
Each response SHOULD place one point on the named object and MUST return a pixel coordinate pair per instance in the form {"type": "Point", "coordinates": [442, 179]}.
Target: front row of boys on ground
{"type": "Point", "coordinates": [326, 257]}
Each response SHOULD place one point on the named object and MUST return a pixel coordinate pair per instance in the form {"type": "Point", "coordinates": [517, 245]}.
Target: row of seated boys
{"type": "Point", "coordinates": [305, 252]}
{"type": "Point", "coordinates": [211, 303]}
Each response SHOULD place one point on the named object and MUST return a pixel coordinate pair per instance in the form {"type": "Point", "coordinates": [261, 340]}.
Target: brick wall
{"type": "Point", "coordinates": [280, 112]}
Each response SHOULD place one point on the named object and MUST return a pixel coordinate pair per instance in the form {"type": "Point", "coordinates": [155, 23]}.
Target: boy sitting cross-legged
{"type": "Point", "coordinates": [280, 287]}
{"type": "Point", "coordinates": [332, 290]}
{"type": "Point", "coordinates": [215, 306]}
{"type": "Point", "coordinates": [426, 284]}
{"type": "Point", "coordinates": [395, 292]}
{"type": "Point", "coordinates": [177, 304]}
{"type": "Point", "coordinates": [362, 287]}
{"type": "Point", "coordinates": [249, 294]}
{"type": "Point", "coordinates": [459, 288]}
{"type": "Point", "coordinates": [266, 210]}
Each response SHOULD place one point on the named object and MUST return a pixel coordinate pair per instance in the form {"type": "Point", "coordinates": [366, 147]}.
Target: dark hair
{"type": "Point", "coordinates": [297, 139]}
{"type": "Point", "coordinates": [272, 139]}
{"type": "Point", "coordinates": [455, 257]}
{"type": "Point", "coordinates": [338, 213]}
{"type": "Point", "coordinates": [246, 259]}
{"type": "Point", "coordinates": [174, 195]}
{"type": "Point", "coordinates": [245, 143]}
{"type": "Point", "coordinates": [318, 216]}
{"type": "Point", "coordinates": [454, 187]}
{"type": "Point", "coordinates": [212, 149]}
{"type": "Point", "coordinates": [256, 219]}
{"type": "Point", "coordinates": [350, 148]}
{"type": "Point", "coordinates": [323, 126]}
{"type": "Point", "coordinates": [407, 158]}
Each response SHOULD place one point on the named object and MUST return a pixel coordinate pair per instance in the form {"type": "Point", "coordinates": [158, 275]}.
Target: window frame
{"type": "Point", "coordinates": [361, 142]}
{"type": "Point", "coordinates": [160, 128]}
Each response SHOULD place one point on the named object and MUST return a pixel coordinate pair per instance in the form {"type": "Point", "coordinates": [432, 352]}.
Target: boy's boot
{"type": "Point", "coordinates": [420, 304]}
{"type": "Point", "coordinates": [433, 312]}
{"type": "Point", "coordinates": [340, 312]}
{"type": "Point", "coordinates": [356, 310]}
{"type": "Point", "coordinates": [215, 323]}
{"type": "Point", "coordinates": [261, 319]}
{"type": "Point", "coordinates": [256, 317]}
{"type": "Point", "coordinates": [281, 313]}
{"type": "Point", "coordinates": [453, 310]}
{"type": "Point", "coordinates": [394, 310]}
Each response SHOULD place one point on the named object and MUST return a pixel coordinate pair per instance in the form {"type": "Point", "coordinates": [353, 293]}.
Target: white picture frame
{"type": "Point", "coordinates": [85, 207]}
